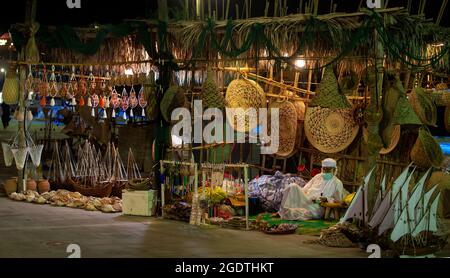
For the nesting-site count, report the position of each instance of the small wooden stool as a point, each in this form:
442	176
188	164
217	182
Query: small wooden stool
335	208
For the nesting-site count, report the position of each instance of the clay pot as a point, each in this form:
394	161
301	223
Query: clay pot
10	186
31	185
43	186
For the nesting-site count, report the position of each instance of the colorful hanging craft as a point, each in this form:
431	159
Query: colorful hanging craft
43	88
95	102
124	103
132	101
114	101
53	89
142	101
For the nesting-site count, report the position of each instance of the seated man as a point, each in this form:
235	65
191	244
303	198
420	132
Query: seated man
304	203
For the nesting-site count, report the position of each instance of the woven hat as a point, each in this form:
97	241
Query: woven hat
211	96
423	106
287	120
11	87
330	130
172	99
328	95
426	152
245	94
404	113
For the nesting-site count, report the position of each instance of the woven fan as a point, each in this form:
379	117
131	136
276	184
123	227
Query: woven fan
244	94
287	126
423	106
328	95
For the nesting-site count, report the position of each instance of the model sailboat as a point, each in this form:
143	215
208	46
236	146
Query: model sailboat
408	217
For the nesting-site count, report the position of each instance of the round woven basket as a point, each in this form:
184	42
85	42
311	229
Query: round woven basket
423	106
172	99
441	86
244	94
330	130
287	127
426	152
395	138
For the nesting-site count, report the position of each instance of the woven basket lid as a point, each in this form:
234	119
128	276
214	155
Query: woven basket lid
423	106
244	94
328	95
330	130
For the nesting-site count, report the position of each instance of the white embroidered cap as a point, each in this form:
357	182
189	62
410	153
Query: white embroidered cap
329	163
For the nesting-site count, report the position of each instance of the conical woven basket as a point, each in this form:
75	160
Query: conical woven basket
423	106
11	87
172	99
426	152
404	113
287	127
244	94
211	96
330	130
328	95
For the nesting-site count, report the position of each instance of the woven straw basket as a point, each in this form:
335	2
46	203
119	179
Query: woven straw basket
395	138
330	130
245	94
287	127
441	86
426	152
11	87
423	106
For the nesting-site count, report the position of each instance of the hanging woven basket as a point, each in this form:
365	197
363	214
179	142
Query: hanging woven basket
330	130
211	96
328	95
173	98
423	106
244	94
287	127
426	152
11	87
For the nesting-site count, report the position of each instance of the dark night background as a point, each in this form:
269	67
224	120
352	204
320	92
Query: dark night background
55	12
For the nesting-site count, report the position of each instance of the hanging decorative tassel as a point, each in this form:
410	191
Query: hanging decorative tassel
81	101
52	102
93	112
105	116
42	102
124	115
74	102
30	96
143	112
131	113
89	102
113	114
29	116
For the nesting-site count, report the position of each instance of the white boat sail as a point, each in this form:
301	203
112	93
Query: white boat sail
358	207
429	220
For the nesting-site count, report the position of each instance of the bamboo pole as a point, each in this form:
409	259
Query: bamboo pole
186	9
300	7
316	7
209	9
266	10
441	12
